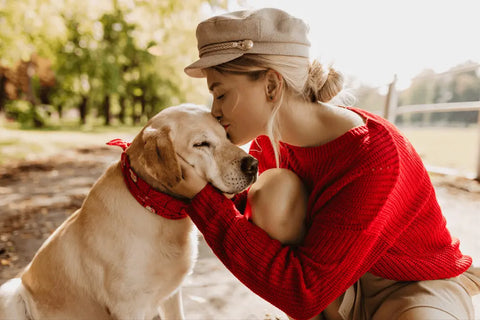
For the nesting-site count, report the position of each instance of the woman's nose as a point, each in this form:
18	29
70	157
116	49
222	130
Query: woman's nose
216	112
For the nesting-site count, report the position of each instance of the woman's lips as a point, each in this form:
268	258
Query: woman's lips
225	126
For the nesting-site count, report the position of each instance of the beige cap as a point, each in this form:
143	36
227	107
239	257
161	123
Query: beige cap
226	37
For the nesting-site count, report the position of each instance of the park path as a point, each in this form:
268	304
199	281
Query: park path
37	195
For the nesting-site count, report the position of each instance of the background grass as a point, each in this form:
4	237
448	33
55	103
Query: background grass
18	144
453	148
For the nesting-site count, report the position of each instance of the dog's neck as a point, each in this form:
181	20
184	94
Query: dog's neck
151	199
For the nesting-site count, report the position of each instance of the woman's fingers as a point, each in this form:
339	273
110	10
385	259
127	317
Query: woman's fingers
191	182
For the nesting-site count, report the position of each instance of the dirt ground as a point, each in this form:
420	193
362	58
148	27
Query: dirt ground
37	195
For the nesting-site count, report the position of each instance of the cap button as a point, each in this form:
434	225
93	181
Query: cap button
245	44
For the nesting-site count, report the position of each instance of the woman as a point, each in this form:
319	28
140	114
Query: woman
370	242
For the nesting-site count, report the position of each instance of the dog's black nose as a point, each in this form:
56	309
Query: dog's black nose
249	165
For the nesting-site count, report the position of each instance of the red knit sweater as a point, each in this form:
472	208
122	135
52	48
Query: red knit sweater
372	208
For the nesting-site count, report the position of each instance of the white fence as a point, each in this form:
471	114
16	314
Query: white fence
392	110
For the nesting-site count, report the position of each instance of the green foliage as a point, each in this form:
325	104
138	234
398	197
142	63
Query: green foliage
27	114
112	59
26	25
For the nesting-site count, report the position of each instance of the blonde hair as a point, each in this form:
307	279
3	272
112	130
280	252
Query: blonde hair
308	81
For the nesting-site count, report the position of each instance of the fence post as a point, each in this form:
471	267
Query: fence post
477	174
391	102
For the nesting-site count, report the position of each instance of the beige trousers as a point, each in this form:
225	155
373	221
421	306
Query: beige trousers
376	298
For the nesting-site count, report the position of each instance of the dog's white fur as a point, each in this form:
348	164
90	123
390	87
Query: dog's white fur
113	259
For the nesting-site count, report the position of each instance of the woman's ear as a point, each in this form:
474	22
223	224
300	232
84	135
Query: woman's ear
273	85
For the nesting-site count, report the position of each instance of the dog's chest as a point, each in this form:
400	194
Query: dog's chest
152	270
162	262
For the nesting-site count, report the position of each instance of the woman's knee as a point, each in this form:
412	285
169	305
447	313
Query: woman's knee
279	202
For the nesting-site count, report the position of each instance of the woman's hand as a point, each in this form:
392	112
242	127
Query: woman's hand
191	182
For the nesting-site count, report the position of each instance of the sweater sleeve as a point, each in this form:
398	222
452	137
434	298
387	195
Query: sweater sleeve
240	200
344	239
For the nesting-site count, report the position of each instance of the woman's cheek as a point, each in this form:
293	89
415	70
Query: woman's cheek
232	101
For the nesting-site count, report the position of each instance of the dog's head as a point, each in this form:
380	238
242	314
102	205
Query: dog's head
190	132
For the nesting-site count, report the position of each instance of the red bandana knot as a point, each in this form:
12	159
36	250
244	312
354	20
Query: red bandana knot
119	143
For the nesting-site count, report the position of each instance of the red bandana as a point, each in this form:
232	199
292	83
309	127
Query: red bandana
154	201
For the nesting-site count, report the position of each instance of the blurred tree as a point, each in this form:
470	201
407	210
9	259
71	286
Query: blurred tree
28	26
370	99
421	90
120	57
465	86
460	83
76	67
23	39
3	93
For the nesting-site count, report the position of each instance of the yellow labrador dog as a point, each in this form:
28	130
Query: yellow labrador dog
114	258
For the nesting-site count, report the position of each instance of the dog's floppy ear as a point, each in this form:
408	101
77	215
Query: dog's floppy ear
160	156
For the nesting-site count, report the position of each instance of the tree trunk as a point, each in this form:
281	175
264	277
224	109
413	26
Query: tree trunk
135	116
38	122
45	94
82	109
143	103
30	91
121	115
106	109
60	111
3	94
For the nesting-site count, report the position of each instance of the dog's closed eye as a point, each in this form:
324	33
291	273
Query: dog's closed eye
203	144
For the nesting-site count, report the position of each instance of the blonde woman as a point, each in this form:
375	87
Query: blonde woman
343	222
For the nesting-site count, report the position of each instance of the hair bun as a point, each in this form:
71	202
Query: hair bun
321	85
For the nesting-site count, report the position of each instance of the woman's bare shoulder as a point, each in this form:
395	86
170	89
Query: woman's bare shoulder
339	120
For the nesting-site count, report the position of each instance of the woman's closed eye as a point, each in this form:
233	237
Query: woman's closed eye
220	97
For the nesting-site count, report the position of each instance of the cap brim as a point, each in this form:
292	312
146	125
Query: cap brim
195	69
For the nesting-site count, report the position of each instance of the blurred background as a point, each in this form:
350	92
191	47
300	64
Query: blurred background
94	65
74	74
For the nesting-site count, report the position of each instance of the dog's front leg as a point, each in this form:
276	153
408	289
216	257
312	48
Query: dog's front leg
172	308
